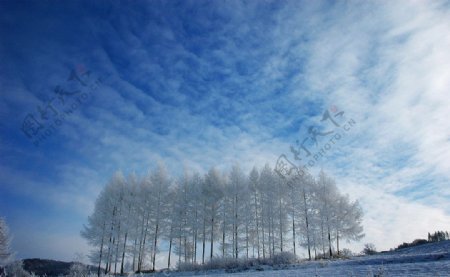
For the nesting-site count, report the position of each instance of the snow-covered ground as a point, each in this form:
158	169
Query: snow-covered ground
432	259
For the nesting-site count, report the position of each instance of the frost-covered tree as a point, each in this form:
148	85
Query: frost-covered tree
160	182
308	213
16	269
172	220
196	209
348	220
212	193
255	194
238	192
5	245
78	270
95	231
327	195
182	217
107	228
259	214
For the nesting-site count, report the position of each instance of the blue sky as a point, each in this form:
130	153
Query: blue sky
197	84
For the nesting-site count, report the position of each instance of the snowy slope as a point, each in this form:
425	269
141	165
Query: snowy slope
425	260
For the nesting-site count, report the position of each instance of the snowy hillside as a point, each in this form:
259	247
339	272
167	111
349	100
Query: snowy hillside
432	259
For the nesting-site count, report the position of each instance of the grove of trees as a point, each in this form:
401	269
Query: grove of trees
197	217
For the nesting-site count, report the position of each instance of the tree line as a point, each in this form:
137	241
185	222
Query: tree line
198	217
438	236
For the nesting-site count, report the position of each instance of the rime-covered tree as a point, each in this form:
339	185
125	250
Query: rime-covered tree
260	214
160	182
255	207
212	193
348	221
97	227
5	244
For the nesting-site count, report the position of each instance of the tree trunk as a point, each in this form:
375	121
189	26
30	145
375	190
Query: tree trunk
236	227
204	240
246	238
273	235
117	249
212	235
337	242
154	245
223	233
293	233
108	260
195	235
170	244
329	243
307	224
281	227
101	250
141	255
123	253
257	223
